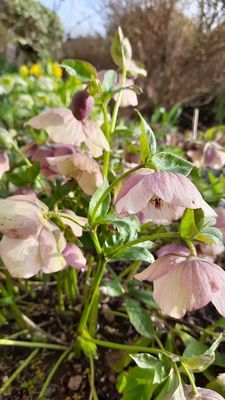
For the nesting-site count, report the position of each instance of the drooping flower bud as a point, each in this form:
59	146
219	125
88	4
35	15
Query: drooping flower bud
81	105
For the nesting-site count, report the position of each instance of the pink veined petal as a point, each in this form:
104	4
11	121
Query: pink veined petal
176	189
52	243
162	266
62	164
213	156
95	135
52	117
134	194
208	211
74	257
204	394
70	132
21	256
4	163
87	173
30	198
89	183
188	287
128	97
218	298
76	229
164	215
173	248
19	219
61	126
220	221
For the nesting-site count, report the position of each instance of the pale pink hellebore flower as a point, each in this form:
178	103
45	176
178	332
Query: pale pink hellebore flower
213	156
173	248
40	153
64	127
30	243
128	96
185	284
203	394
207	251
85	170
159	196
4	162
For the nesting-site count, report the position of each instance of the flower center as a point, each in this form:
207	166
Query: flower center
157	202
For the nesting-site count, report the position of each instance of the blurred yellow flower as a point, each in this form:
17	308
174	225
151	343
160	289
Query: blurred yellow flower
23	70
36	70
57	70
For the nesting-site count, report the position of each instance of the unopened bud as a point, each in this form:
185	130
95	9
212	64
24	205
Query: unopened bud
6	140
82	104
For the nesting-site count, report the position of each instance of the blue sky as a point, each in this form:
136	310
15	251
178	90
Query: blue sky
79	17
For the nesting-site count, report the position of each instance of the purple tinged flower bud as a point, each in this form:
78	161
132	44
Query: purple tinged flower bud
82	104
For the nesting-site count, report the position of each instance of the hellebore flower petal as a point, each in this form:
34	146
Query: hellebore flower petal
52	242
213	156
21	256
20	216
173	248
76	229
159	196
182	285
203	394
79	166
74	257
60	125
134	195
95	138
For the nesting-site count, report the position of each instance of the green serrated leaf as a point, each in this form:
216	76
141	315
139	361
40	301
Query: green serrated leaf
109	81
104	207
121	50
147	140
112	288
172	163
80	69
139	318
145	360
201	362
188	229
135	253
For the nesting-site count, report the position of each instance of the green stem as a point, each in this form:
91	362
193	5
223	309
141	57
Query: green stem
93	393
117	104
17	372
20	153
60	295
96	242
95	286
191	380
110	187
154	236
18	316
37	345
192	248
176	369
106	157
128	347
57	214
52	373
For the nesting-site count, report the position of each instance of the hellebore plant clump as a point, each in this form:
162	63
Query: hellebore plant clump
73	211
